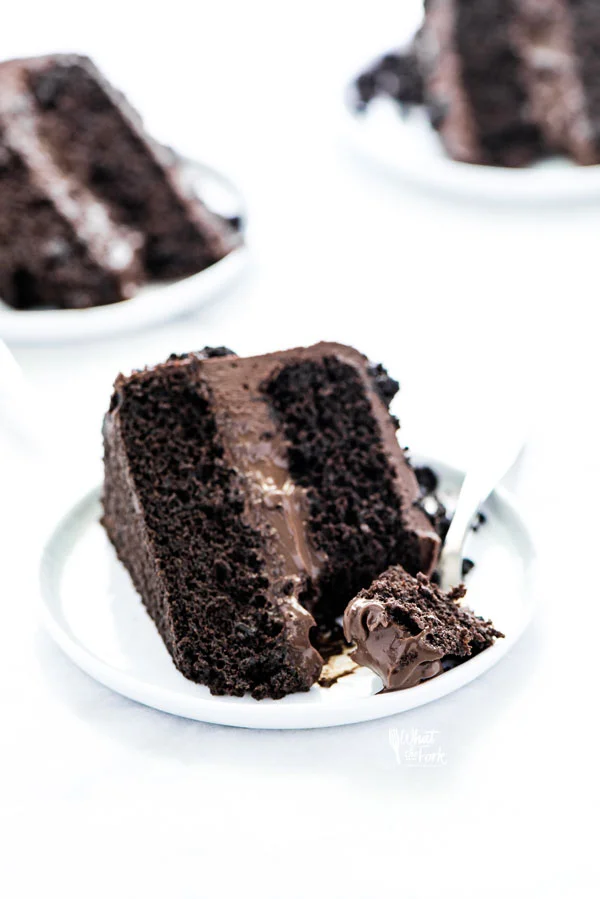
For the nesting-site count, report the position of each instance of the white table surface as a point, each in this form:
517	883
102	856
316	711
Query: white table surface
102	797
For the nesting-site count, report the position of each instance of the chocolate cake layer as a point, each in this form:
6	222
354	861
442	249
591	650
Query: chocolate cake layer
93	132
235	550
361	490
407	631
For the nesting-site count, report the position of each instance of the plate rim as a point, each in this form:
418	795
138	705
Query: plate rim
501	184
268	714
61	326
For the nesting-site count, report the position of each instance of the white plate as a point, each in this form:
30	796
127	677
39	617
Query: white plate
93	612
154	303
407	147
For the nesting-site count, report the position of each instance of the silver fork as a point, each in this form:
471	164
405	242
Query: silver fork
481	478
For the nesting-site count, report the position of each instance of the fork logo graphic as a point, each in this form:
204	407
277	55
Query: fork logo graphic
416	748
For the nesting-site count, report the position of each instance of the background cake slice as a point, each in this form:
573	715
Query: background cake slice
92	131
58	245
407	631
506	82
250	499
91	206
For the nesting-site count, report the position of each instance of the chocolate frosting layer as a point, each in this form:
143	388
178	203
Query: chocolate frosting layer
275	505
401	659
444	88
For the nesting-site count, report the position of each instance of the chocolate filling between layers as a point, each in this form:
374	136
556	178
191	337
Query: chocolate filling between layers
274	505
192	554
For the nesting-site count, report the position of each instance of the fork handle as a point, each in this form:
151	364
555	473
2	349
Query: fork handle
477	486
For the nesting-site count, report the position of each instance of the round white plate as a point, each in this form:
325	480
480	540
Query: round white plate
93	612
407	147
154	303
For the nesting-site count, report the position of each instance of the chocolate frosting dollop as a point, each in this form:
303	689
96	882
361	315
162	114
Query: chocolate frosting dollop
401	659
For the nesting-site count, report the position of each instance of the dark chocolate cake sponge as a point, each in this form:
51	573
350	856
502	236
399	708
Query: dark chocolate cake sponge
407	631
250	499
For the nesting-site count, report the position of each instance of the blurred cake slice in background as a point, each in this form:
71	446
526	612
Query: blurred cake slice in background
91	206
505	82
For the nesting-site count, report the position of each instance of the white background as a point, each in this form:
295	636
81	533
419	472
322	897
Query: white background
101	797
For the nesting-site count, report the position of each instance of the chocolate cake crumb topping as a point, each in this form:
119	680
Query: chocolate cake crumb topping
407	631
396	75
386	387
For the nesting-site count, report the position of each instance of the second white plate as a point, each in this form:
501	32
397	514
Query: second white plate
407	147
154	303
93	612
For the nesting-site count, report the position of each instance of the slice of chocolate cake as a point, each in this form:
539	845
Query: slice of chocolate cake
250	499
506	82
407	631
137	178
90	205
58	245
